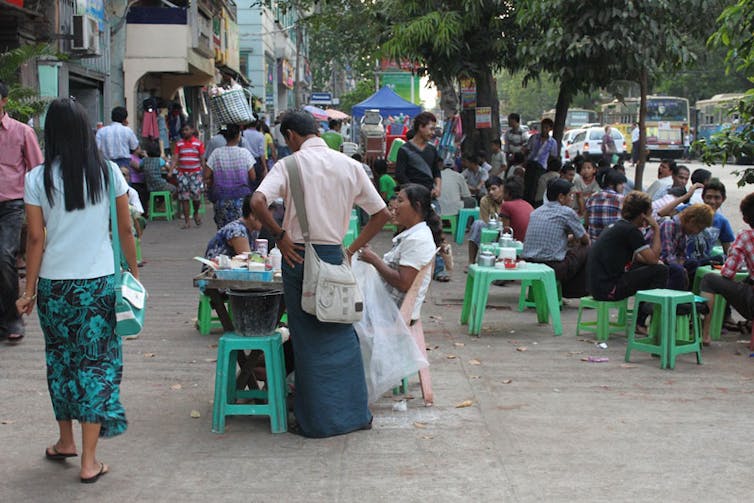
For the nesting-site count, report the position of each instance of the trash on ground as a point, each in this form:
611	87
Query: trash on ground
400	406
465	403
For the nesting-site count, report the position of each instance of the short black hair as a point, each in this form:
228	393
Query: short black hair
513	188
246	208
547	122
423	119
3	90
332	123
231	132
517	158
152	148
119	114
568	167
493	180
747	208
497	142
380	166
714	184
610	178
554	164
357	157
701	175
300	122
676	168
677	191
556	187
514	117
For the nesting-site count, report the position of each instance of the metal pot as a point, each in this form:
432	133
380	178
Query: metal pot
486	259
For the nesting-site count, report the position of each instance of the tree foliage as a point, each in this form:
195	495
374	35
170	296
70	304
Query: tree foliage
23	102
736	34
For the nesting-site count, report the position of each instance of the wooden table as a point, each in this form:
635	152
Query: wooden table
215	289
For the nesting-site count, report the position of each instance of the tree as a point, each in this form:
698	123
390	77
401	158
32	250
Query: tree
364	89
736	33
588	44
23	102
452	40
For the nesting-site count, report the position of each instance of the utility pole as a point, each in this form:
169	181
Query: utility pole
296	81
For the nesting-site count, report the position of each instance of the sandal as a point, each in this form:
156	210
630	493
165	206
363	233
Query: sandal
443	278
52	453
14	338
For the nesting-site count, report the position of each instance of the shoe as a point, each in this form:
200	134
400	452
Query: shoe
92	480
53	454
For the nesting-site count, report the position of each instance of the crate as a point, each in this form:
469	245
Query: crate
243	275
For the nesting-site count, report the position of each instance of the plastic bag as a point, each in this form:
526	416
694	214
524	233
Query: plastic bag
387	348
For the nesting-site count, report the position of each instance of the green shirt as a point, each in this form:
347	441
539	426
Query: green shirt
333	139
387	186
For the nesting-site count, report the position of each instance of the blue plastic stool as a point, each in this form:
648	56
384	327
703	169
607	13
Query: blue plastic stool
226	393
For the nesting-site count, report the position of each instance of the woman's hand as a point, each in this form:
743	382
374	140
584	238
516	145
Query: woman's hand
367	255
25	305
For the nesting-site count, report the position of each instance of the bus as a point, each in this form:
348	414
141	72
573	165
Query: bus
575	118
715	114
667	118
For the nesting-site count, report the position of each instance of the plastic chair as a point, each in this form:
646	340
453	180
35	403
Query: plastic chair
226	392
166	196
662	337
417	332
463	217
602	327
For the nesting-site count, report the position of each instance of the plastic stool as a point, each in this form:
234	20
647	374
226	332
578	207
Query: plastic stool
353	225
166	199
452	221
463	216
226	393
206	321
489	236
137	241
349	238
602	327
662	337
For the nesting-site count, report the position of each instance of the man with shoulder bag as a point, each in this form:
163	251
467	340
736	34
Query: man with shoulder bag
331	393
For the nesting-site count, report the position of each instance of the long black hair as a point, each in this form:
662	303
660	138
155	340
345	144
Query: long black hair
420	199
70	141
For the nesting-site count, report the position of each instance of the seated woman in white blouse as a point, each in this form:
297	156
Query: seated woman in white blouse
412	249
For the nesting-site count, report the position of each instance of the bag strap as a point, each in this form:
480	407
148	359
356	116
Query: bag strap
297	191
115	236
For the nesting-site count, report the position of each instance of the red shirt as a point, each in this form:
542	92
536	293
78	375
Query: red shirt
518	211
189	153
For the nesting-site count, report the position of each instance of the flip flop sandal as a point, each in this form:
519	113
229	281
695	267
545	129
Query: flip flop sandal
14	338
53	454
443	278
92	480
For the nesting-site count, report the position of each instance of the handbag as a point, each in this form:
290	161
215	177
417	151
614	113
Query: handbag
231	107
329	291
130	294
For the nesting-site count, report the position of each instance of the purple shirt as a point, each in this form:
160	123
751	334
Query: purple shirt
19	153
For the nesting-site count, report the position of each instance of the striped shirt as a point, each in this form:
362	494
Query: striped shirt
189	154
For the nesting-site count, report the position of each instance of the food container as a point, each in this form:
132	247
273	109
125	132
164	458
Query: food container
260	246
508	257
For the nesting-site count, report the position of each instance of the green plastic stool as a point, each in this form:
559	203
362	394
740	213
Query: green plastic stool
463	216
137	241
167	213
226	393
390	227
349	238
663	331
602	327
353	225
489	236
206	321
452	221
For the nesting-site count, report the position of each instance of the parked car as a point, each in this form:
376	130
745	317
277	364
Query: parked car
588	142
568	137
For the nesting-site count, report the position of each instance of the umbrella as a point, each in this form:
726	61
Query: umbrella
336	114
318	113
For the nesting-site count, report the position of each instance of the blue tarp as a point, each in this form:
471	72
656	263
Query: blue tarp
388	103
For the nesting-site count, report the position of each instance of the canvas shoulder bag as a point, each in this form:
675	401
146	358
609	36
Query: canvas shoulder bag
130	294
329	291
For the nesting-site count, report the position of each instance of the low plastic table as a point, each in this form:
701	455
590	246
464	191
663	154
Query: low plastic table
478	285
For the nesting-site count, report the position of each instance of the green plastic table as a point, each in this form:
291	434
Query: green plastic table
478	285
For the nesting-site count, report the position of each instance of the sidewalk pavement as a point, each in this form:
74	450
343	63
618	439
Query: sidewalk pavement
543	424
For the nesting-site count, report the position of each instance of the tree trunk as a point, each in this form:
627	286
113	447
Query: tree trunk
639	175
478	140
561	110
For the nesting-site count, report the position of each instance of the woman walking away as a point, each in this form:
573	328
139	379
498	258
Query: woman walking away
228	176
71	273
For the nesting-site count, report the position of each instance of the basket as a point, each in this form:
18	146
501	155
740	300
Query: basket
243	275
231	107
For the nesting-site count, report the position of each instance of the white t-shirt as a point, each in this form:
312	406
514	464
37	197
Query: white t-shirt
414	247
332	182
78	243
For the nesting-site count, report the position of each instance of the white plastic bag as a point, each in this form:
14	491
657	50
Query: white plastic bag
387	348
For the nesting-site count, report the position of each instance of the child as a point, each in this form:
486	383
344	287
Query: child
188	158
151	167
517	161
489	205
584	186
497	158
568	172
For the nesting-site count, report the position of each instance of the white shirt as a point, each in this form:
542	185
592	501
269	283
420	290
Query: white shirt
414	247
660	187
332	182
454	189
77	245
635	135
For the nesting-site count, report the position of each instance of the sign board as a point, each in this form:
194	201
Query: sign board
93	8
405	85
321	98
483	117
269	100
468	94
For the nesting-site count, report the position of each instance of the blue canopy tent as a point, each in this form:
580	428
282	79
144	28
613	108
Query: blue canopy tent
387	102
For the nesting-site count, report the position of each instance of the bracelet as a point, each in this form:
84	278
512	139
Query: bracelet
28	297
280	235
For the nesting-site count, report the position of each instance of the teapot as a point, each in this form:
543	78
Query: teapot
506	238
486	259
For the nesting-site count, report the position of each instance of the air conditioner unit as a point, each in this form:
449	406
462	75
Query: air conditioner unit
85	34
